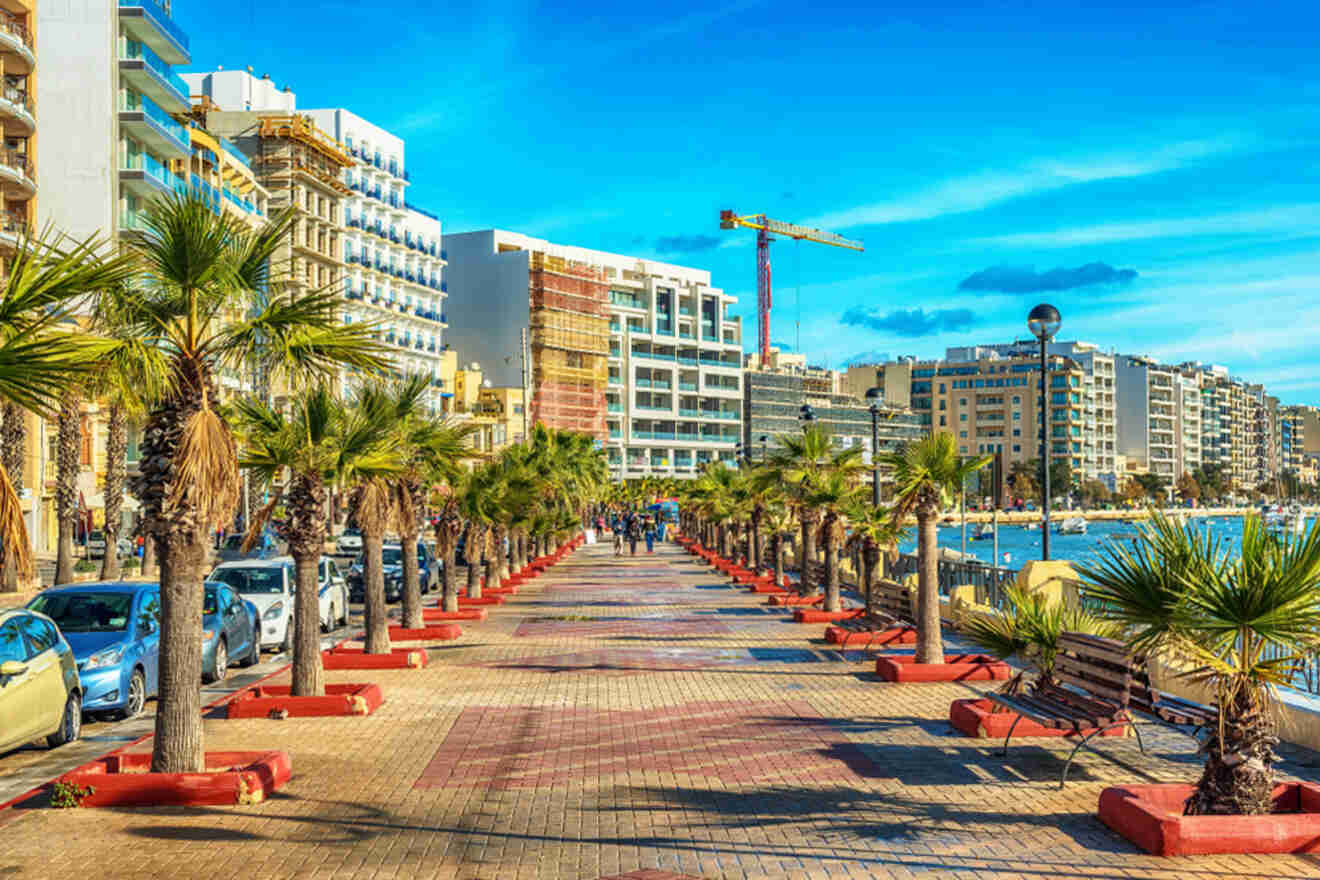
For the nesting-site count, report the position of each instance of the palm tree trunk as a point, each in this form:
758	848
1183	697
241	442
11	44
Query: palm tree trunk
758	547
373	583
177	746
116	446
492	572
412	583
305	500
500	555
148	559
778	541
930	645
476	540
871	564
68	460
449	577
1239	770
807	558
13	447
833	599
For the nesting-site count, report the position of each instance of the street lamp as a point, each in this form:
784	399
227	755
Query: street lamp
875	395
763	438
1043	322
807	415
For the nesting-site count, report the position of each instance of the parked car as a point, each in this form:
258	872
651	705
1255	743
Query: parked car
113	628
231	627
267	547
267	584
332	588
392	562
349	542
40	692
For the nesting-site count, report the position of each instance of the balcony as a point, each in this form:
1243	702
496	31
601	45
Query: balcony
16	44
17	179
20	110
149	22
12	224
151	125
147	177
144	70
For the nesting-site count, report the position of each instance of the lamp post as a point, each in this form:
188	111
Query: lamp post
1044	321
807	415
875	395
763	438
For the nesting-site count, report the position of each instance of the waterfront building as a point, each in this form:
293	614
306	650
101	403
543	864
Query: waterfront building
641	354
772	407
1159	418
1241	432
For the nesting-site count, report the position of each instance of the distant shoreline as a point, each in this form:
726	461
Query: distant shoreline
1030	516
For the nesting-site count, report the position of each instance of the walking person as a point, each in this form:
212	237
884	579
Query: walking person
616	526
634	533
650	535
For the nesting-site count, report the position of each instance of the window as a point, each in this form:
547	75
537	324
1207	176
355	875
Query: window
1017	432
962	417
962	401
87	612
943	422
1017	416
962	435
942	405
1017	448
41	636
941	389
11	643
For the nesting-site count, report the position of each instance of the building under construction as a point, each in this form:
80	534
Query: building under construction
569	338
642	355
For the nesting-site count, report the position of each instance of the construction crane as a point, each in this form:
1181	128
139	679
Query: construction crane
766	231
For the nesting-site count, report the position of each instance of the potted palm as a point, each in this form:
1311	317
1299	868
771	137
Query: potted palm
1239	628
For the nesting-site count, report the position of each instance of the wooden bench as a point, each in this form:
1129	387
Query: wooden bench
1174	711
1090	694
891	604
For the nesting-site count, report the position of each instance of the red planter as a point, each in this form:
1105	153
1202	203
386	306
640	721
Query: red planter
476	603
956	667
768	589
357	658
440	632
977	718
511	590
1150	816
231	778
879	638
812	615
461	614
787	598
339	699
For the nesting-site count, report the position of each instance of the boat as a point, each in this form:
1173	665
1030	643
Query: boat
1073	525
983	532
1031	527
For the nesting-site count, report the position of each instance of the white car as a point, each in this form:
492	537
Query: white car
349	543
332	589
267	584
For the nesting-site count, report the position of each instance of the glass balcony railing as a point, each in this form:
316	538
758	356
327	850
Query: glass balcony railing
232	150
135	103
160	17
137	52
156	170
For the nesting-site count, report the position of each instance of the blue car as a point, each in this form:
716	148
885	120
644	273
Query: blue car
114	631
231	627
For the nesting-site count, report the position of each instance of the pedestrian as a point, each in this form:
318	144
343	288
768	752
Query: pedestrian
650	535
634	533
616	526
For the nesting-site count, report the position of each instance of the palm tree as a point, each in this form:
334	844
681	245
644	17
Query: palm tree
200	270
834	491
41	354
927	474
874	529
316	442
1241	625
479	504
1028	625
795	466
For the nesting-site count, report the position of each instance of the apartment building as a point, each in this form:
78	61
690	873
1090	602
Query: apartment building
641	354
772	407
989	400
1159	418
1241	426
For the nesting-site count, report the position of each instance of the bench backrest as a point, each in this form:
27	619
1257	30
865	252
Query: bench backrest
1098	666
893	598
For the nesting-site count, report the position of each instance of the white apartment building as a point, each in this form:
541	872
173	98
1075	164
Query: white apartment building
642	354
394	250
390	251
1159	418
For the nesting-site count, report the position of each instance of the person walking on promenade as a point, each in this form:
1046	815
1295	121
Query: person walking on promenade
650	535
616	526
634	534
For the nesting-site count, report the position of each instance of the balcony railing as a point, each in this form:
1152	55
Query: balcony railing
138	52
159	118
160	17
16	161
156	170
13	25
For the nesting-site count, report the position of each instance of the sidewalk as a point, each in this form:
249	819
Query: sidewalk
627	714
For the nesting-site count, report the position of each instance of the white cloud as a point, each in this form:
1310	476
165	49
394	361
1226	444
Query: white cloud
1280	218
961	195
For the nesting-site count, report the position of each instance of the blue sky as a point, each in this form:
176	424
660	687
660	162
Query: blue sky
1149	169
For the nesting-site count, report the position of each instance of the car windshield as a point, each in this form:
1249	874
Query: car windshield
86	612
251	580
95	535
352	533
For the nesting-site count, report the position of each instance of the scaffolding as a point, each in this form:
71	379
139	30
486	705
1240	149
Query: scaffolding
570	340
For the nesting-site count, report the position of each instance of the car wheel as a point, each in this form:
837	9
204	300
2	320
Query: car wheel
70	724
220	670
137	695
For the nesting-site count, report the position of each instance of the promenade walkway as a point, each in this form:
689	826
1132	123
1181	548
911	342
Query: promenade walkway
619	716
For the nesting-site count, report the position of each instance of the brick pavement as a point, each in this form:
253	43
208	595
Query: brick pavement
736	752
